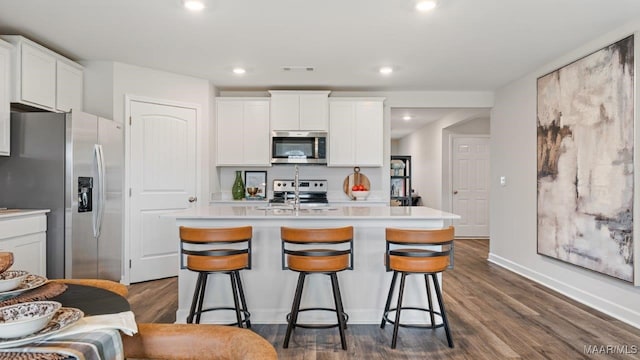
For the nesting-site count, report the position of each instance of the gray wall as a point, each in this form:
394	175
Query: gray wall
513	207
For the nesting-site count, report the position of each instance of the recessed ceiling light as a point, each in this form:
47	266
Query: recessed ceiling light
406	118
386	70
194	5
426	5
239	71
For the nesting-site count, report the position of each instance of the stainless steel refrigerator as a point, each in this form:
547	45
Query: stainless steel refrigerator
70	163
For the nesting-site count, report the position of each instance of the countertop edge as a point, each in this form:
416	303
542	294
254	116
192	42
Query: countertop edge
22	212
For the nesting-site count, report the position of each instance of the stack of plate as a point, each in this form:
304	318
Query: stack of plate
14	282
28	321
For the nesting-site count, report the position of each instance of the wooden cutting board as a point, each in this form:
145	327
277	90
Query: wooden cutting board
356	178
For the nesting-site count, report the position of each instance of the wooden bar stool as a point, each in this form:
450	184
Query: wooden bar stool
407	261
217	259
328	260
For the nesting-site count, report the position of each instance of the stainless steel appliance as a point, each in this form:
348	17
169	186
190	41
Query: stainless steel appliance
71	164
298	147
311	191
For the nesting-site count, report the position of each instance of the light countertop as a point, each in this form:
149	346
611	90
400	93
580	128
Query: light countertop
9	213
317	212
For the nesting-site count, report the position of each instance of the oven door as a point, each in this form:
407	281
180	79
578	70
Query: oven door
298	148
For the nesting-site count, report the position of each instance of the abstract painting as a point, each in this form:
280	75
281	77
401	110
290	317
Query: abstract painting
585	132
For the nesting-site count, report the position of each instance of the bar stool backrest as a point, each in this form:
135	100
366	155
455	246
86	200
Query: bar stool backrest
216	237
307	237
419	238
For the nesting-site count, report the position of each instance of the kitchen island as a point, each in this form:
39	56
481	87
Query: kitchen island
269	289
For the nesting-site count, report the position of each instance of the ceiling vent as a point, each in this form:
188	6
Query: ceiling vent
298	68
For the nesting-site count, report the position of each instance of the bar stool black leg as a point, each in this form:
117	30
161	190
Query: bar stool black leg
442	310
242	298
293	316
340	300
339	310
397	323
388	304
432	317
194	300
203	288
236	302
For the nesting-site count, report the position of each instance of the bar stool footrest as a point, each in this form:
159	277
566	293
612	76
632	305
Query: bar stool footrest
318	326
245	319
414	326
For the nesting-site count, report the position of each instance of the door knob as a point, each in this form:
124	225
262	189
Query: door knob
455	192
192	199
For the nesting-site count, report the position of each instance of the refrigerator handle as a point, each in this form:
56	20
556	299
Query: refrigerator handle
99	161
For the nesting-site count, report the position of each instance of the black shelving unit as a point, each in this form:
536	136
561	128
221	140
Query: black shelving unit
401	180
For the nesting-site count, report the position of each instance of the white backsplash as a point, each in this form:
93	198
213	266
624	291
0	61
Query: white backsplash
334	176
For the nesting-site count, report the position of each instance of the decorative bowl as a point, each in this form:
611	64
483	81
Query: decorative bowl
11	279
360	194
6	260
26	318
252	190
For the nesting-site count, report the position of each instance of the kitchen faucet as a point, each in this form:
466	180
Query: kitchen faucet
296	189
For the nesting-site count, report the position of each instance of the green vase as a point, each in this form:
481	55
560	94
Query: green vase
237	191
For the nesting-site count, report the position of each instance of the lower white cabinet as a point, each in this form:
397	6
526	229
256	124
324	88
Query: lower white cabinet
25	236
243	132
356	128
5	115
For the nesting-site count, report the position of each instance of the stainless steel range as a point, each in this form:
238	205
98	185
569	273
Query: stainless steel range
311	191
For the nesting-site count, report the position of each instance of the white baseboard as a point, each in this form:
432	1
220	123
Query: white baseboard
612	309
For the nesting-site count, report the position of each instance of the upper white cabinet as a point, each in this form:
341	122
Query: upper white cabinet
5	116
68	87
299	110
43	79
243	131
356	131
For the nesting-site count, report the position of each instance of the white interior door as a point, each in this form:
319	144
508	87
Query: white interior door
470	180
163	179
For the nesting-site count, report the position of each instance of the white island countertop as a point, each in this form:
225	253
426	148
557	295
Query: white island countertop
314	212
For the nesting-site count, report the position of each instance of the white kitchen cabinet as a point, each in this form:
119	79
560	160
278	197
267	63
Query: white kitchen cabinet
42	78
24	234
299	110
5	115
356	132
68	87
243	132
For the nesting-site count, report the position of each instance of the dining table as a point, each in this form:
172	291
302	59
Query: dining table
97	336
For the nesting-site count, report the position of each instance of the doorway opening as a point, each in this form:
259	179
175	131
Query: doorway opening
427	135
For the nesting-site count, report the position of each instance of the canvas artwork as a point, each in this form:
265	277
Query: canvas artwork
585	135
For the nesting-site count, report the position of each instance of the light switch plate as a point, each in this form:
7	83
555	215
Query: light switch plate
503	181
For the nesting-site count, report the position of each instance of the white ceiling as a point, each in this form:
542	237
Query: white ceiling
423	116
462	45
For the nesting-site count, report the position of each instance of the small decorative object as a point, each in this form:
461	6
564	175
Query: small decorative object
397	166
256	182
237	191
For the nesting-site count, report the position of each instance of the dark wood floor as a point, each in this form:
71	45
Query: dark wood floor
494	314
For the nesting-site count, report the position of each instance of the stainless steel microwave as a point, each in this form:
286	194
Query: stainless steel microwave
298	147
